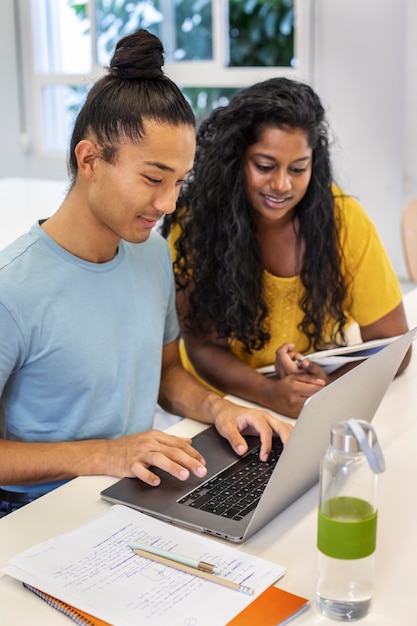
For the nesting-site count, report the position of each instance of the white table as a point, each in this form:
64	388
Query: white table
290	539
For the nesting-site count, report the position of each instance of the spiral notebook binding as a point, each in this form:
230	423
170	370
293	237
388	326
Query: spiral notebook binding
79	617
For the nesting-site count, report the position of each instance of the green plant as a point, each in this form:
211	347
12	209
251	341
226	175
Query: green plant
261	33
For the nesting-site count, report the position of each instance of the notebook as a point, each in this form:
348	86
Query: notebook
275	605
356	394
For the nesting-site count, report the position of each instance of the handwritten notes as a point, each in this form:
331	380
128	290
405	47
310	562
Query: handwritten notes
94	569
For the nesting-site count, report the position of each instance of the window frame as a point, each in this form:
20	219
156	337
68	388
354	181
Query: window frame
184	73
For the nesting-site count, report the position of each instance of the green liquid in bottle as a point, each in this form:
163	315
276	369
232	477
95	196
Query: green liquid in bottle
347	528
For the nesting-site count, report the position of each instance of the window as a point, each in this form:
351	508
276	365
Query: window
213	48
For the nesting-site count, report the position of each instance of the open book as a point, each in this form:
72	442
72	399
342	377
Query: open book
330	360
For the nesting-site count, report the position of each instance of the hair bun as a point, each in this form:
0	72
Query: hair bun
138	56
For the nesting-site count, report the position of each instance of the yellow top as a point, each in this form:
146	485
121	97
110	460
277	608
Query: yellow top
374	289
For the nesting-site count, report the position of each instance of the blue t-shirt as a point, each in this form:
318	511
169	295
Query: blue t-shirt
81	343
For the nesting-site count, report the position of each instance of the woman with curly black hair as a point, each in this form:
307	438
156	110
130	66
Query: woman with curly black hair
272	259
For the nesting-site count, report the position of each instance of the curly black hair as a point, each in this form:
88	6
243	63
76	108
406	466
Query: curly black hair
218	246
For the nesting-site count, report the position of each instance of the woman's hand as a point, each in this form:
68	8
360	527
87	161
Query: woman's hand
286	360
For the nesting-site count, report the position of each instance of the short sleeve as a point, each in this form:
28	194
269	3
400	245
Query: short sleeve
374	289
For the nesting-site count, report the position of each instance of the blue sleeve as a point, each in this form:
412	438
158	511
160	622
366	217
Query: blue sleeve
11	346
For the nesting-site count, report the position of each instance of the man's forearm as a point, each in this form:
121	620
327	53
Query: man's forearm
182	394
31	463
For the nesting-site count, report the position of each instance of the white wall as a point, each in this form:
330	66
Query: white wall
364	69
10	153
360	73
410	116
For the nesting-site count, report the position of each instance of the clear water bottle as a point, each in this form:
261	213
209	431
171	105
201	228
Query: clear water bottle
347	520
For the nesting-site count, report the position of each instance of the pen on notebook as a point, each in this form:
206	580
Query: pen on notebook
178	558
191	570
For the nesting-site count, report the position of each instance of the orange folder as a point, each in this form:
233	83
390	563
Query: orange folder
274	606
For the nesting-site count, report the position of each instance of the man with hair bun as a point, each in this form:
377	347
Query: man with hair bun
89	331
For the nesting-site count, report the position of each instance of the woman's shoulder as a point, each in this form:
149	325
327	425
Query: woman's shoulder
349	212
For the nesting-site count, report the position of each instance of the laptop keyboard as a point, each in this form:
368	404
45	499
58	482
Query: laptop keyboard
235	492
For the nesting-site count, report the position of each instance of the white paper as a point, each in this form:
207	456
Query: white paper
333	358
93	569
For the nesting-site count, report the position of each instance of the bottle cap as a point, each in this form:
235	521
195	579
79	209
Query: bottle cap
358	436
342	438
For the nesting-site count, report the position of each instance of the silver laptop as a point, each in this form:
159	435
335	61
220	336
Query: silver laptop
190	504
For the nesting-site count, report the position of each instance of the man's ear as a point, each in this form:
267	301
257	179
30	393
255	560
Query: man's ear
86	155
